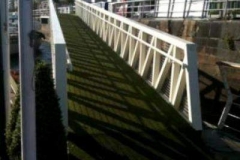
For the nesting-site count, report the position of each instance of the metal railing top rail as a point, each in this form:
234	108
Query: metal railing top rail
60	61
57	34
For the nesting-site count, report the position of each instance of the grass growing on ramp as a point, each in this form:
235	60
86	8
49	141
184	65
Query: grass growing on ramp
113	113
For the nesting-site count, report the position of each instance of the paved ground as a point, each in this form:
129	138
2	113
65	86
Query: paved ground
113	113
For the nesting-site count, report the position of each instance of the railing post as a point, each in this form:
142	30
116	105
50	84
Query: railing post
169	6
59	63
184	10
193	87
60	78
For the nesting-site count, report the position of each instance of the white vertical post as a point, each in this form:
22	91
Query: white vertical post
59	63
60	78
28	122
192	87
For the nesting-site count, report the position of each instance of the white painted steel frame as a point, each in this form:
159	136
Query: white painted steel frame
166	58
60	61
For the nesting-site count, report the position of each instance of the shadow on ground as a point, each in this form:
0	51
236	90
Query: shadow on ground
113	113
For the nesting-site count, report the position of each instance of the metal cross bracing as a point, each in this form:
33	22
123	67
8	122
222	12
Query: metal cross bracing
167	63
230	117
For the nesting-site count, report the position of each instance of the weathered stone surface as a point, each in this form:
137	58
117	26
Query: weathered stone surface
231	28
176	27
215	30
203	29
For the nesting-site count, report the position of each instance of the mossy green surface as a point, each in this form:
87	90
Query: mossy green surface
113	113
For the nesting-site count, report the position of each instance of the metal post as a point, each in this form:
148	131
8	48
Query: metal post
184	10
225	8
172	8
2	79
169	6
204	9
27	84
189	8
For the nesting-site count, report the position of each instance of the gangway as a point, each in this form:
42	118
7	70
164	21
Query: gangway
166	62
113	113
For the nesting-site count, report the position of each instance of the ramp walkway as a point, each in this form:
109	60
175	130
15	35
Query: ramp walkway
113	113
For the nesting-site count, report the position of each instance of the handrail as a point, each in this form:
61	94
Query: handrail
166	62
57	34
60	61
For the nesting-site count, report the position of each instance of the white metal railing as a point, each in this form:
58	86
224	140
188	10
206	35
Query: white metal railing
177	8
161	8
60	61
166	62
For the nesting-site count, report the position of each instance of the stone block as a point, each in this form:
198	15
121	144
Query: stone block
211	50
215	30
222	44
176	27
201	41
154	24
231	28
212	42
